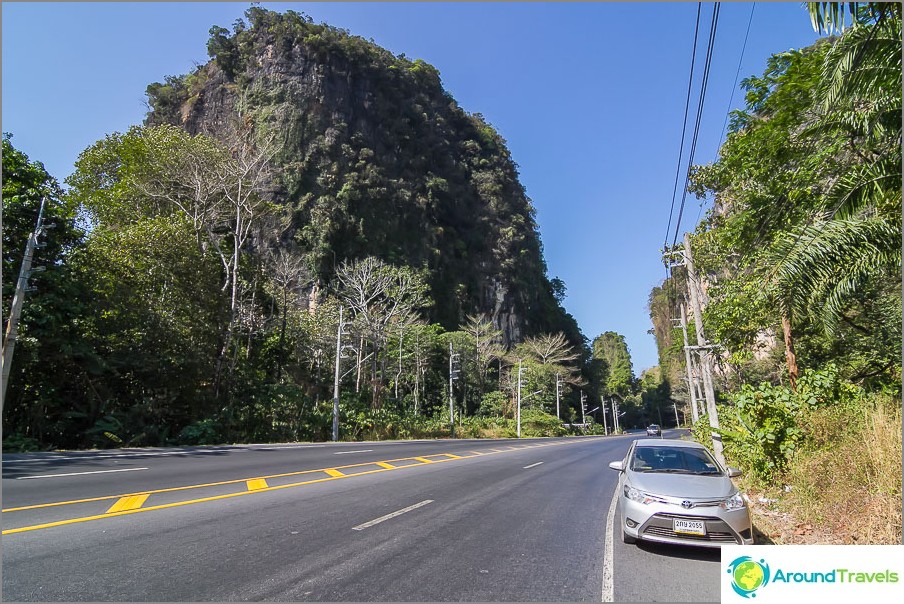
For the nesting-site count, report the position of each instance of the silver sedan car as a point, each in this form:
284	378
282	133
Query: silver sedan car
674	491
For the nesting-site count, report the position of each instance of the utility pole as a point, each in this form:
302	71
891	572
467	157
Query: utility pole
519	399
691	374
583	417
696	294
336	379
603	405
557	398
453	375
12	326
615	426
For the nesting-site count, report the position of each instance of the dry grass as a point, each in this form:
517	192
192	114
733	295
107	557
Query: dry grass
848	490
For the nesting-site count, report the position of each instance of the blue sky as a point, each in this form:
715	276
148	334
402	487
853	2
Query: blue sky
589	96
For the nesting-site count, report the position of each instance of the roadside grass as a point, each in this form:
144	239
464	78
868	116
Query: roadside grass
845	486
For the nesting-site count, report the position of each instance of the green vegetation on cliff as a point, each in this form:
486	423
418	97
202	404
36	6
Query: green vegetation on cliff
301	176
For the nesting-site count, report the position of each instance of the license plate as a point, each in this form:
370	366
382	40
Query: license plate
689	527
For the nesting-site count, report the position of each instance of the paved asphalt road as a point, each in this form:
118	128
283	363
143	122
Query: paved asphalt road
469	520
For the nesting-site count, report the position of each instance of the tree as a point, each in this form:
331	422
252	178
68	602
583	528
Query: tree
288	273
854	235
544	358
379	295
804	237
487	347
613	350
163	171
47	368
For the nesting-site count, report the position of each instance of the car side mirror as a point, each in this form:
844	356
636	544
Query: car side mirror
733	472
617	465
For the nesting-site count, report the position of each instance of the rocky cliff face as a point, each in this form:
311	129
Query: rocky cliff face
375	158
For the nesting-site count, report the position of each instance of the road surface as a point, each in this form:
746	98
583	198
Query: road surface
439	520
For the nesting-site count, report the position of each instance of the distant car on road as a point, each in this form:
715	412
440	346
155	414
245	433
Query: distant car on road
674	491
654	430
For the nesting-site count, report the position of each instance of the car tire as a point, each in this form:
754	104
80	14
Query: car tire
627	538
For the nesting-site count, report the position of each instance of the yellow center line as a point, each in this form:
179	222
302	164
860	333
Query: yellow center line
256	484
190	502
131	503
128	503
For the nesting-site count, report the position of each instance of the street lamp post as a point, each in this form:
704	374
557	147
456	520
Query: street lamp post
605	424
336	380
453	375
518	412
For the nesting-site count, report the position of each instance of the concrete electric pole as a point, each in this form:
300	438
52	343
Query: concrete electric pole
12	326
703	349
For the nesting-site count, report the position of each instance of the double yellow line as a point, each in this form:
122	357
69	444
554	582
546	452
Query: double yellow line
132	503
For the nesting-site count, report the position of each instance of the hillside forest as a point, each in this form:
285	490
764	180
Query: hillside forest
304	214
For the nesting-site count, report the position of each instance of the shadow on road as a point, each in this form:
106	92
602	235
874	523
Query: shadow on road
28	464
688	552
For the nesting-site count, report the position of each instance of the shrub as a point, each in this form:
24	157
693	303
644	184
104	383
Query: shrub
538	423
19	443
762	428
760	431
202	432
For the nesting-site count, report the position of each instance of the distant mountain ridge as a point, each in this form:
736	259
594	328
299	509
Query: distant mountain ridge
375	158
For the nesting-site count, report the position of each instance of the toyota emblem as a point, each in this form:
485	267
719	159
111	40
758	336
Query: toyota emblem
687	504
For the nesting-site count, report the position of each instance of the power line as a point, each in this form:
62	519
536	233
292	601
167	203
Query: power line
731	98
687	104
703	83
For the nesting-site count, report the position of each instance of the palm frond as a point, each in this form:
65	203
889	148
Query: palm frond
821	266
866	187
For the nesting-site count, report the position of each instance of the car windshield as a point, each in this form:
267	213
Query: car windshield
678	460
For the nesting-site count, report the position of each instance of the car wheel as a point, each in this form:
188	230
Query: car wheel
627	538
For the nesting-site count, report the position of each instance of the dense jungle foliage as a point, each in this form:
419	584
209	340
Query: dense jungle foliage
801	254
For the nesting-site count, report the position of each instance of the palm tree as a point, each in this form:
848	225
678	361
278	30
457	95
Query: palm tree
854	236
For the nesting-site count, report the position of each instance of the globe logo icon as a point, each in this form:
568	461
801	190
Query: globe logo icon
748	575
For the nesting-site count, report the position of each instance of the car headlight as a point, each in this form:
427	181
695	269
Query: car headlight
734	502
636	495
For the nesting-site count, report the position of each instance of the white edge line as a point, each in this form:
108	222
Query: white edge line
392	515
78	473
347	452
608	562
533	465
